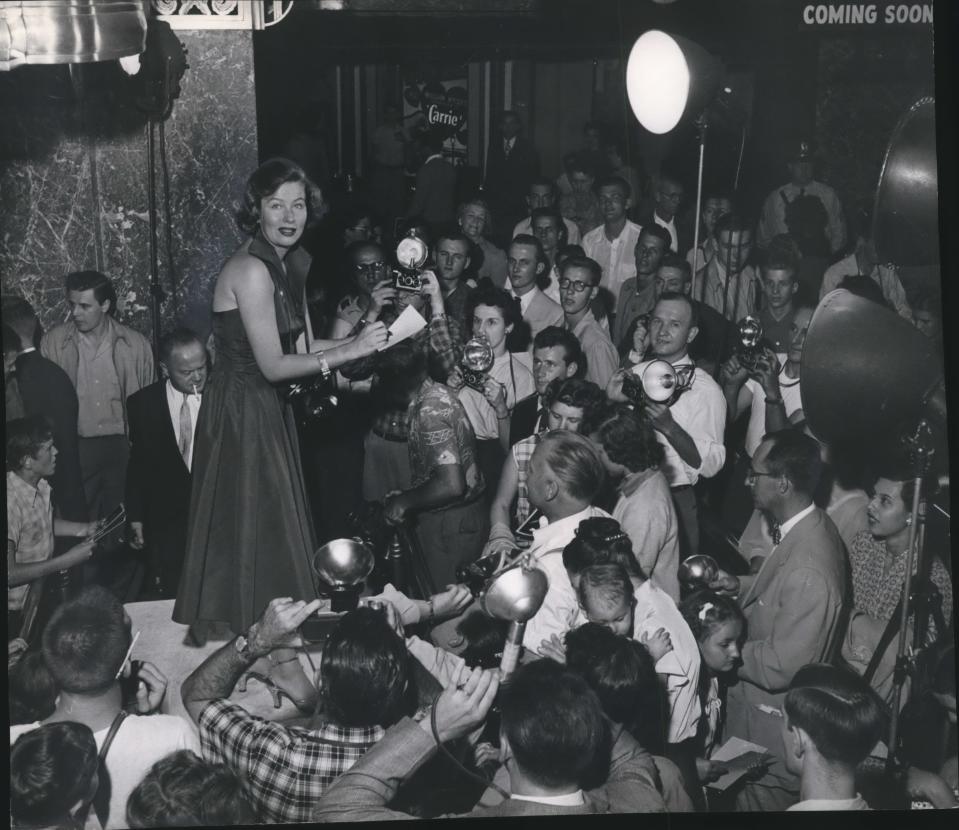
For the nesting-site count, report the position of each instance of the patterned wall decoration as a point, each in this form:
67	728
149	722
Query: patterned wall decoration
74	180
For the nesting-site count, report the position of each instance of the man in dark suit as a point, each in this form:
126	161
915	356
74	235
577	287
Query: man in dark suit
45	389
793	604
556	354
547	766
163	420
668	198
511	165
435	186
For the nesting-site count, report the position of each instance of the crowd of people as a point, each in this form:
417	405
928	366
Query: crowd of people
339	393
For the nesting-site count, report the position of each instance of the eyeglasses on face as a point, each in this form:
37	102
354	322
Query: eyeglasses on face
577	285
369	267
752	475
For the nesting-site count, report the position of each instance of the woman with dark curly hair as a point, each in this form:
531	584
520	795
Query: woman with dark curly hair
250	535
632	457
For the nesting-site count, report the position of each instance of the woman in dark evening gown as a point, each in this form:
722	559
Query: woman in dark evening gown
250	536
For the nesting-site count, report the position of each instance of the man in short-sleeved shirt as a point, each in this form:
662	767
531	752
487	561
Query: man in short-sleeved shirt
451	520
440	433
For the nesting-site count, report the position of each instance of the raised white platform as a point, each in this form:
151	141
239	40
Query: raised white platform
162	643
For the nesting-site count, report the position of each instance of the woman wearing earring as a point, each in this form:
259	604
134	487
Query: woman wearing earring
250	534
878	557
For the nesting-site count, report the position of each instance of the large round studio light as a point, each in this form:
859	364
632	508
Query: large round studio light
667	77
906	212
657	81
867	374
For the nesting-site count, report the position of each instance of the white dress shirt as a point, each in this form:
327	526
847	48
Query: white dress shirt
617	257
670	228
680	667
789	524
701	411
885	276
552	290
792	400
560	606
174	399
524	300
526	226
575	799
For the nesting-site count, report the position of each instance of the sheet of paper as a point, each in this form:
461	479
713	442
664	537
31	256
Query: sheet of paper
739	756
406	325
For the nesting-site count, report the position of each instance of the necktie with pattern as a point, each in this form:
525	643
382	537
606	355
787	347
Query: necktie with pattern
777	534
186	429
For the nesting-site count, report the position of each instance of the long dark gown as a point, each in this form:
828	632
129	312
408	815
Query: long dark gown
250	534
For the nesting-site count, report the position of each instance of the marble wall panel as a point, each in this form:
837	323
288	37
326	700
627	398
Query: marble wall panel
73	180
46	202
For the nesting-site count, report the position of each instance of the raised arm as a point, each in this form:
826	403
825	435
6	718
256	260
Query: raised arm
251	287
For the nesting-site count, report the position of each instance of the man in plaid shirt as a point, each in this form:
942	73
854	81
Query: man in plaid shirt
365	676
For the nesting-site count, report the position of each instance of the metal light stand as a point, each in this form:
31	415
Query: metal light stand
921	452
703	125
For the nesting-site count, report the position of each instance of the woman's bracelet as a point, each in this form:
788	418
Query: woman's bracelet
324	366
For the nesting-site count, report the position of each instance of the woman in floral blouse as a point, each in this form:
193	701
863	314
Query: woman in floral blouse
878	559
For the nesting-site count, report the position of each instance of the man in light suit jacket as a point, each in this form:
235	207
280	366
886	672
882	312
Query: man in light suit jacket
526	269
547	765
163	419
793	605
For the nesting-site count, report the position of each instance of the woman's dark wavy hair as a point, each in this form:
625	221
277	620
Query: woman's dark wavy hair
600	540
583	394
490	295
265	181
629	439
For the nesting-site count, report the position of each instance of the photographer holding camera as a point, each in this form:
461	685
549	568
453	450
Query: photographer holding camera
691	428
771	390
386	465
364	682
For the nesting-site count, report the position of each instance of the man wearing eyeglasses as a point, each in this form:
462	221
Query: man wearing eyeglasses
578	286
386	463
793	605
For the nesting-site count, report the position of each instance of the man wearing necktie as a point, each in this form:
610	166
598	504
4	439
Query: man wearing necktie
793	604
511	165
163	418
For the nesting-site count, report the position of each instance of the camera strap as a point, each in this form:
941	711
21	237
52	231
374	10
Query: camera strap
101	798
